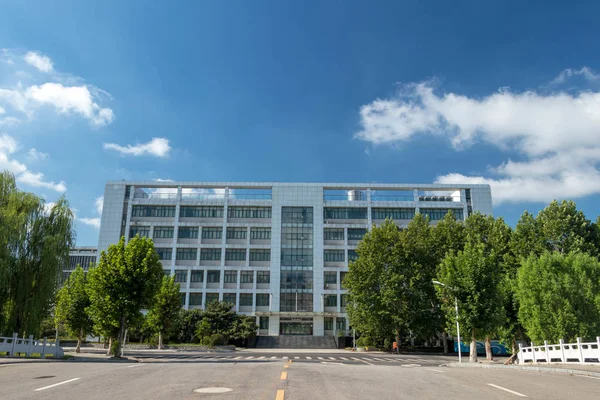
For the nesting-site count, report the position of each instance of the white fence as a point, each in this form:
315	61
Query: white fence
13	345
579	352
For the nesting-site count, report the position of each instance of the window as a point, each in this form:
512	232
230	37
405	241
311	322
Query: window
143	231
186	254
248	212
260	233
260	255
201	212
333	256
195	299
330	300
210	297
245	299
197	276
210	254
340	324
296	257
352	255
344	213
342	277
164	253
356	233
213	277
153	211
182	299
328	323
343	300
297	236
392	213
334	234
297	215
167	272
296	280
436	214
330	277
236	233
235	254
263	277
230	277
262	300
163	232
247	277
212	232
186	232
229	298
263	322
181	276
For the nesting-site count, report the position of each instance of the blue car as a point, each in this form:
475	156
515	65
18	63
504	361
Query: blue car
498	349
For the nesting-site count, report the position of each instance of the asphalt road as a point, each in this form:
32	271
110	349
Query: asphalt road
281	379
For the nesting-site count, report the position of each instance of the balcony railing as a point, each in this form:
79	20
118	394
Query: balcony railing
250	196
392	197
165	196
203	196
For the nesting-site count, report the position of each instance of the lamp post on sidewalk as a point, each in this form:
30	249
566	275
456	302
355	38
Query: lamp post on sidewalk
457	324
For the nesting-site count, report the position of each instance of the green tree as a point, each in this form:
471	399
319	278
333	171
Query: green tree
367	282
71	304
124	282
473	278
187	322
243	327
559	296
219	315
163	314
34	247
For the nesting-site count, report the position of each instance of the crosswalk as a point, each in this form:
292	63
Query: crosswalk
235	358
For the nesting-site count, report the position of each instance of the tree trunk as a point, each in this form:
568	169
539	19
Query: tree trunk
109	346
117	350
514	346
445	339
160	343
398	338
473	351
78	348
488	348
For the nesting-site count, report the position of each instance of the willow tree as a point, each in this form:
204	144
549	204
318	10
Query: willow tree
34	247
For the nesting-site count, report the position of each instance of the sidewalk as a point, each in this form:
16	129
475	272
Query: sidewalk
75	357
567	369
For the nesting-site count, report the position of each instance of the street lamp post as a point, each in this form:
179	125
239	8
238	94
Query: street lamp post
457	324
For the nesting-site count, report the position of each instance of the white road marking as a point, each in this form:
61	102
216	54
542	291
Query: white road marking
56	384
320	358
272	358
411	365
587	376
507	390
261	358
331	363
361	360
309	358
248	358
284	358
237	358
377	359
332	358
368	359
135	365
344	358
434	370
296	358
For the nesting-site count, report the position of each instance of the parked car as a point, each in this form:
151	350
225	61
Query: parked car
498	349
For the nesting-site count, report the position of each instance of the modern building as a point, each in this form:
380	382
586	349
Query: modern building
83	256
278	251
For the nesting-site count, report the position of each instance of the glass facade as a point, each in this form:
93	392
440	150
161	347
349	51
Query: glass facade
246	299
143	231
344	213
153	211
195	299
230	298
296	259
333	234
247	277
180	276
210	254
262	300
213	276
436	214
235	254
260	254
164	253
186	254
248	212
392	213
163	232
200	212
236	233
187	232
356	233
230	277
260	233
263	277
333	255
209	232
197	277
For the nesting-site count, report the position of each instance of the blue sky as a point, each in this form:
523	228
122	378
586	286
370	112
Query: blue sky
506	93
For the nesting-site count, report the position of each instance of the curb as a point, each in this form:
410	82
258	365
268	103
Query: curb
70	360
564	371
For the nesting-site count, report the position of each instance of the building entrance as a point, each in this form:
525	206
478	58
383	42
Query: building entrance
296	326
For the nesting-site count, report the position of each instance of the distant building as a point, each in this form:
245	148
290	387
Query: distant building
83	256
278	251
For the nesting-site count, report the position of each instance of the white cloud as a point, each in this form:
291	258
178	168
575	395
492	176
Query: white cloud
158	147
39	61
2	111
67	99
556	134
34	154
586	72
8	121
163	180
95	222
9	146
99	204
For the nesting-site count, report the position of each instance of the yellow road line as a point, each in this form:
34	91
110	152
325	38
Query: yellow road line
286	366
284	375
280	394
